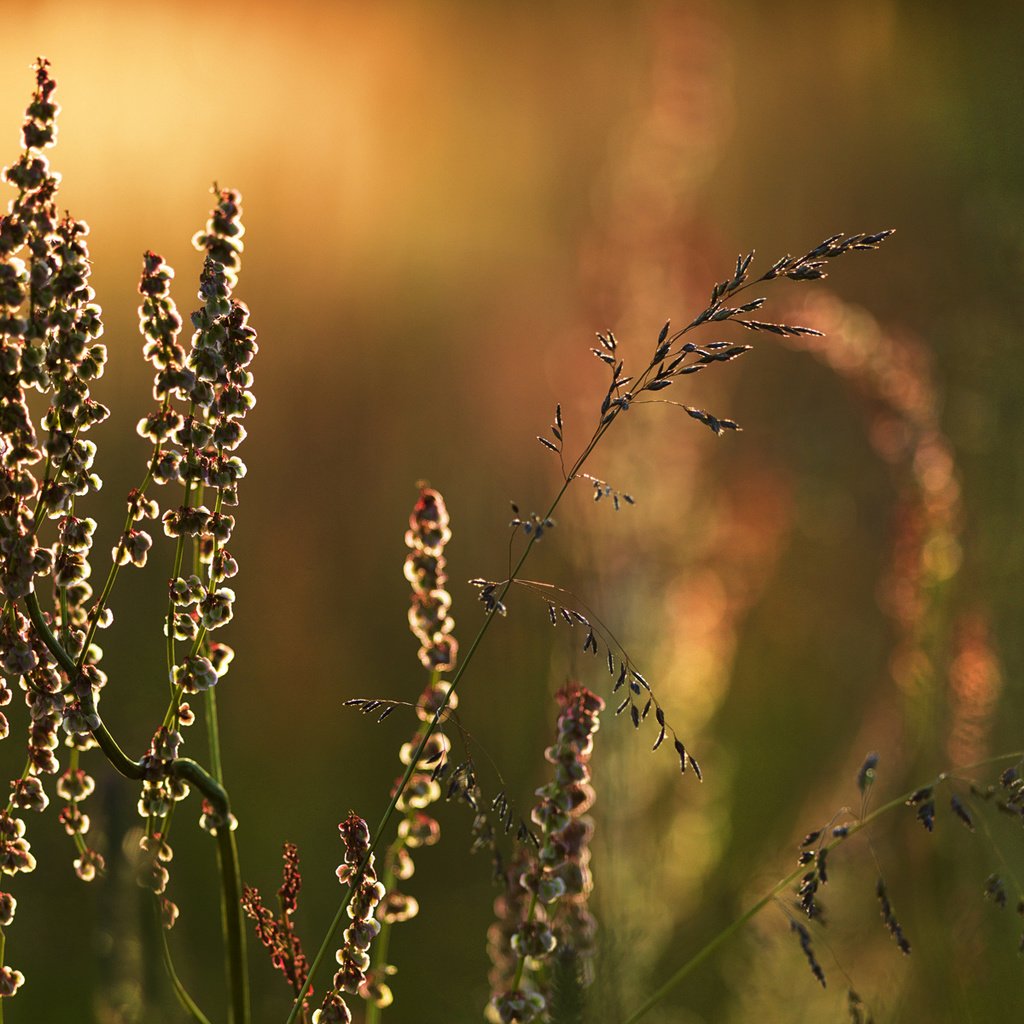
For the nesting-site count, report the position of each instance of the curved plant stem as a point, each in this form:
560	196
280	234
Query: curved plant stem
188	1004
726	933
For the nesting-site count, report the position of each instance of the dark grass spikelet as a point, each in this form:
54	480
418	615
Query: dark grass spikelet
895	929
866	772
961	811
811	882
808	949
1012	786
855	1008
533	525
603	489
924	804
995	891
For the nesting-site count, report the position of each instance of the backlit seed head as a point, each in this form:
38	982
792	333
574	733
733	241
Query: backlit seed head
153	875
396	907
435	751
28	795
420	830
361	933
333	1010
75	785
73	820
195	674
89	864
515	1008
168	913
404	866
10	981
432	698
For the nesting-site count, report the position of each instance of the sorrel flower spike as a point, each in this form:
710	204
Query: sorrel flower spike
544	906
429	617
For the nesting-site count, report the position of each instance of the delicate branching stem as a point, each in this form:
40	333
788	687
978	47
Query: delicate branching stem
101	603
188	1004
726	933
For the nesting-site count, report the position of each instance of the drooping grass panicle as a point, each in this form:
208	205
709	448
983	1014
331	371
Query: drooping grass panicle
817	847
633	691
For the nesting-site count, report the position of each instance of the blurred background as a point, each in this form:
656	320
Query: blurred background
443	202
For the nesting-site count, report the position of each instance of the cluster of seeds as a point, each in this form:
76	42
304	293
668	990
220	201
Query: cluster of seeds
544	906
367	893
49	331
429	617
432	625
194	446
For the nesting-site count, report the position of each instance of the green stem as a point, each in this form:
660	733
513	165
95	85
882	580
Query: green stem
233	925
521	963
382	942
726	933
188	1004
213	735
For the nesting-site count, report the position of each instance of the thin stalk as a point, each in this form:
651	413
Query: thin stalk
726	933
234	926
521	963
382	942
188	1004
213	735
108	586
